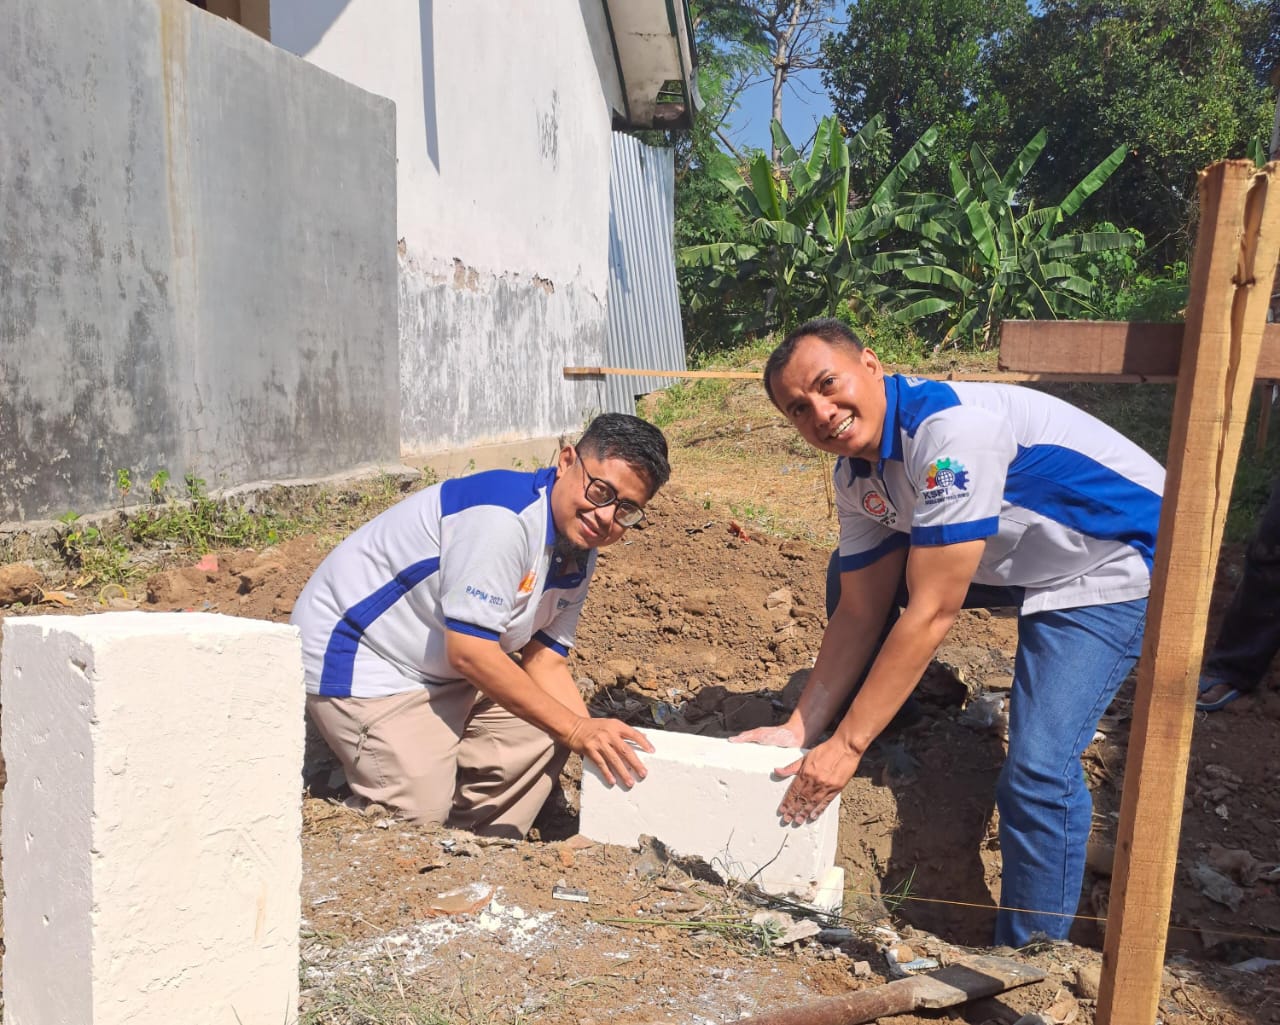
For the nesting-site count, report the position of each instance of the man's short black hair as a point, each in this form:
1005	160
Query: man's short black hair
636	442
830	330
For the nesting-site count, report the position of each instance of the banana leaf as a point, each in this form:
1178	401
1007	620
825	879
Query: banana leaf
1092	182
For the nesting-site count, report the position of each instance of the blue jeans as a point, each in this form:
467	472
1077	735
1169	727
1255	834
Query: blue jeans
1069	665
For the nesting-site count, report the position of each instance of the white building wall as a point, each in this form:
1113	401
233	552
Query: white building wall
503	113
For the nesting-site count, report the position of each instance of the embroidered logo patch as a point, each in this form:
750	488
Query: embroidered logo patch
945	479
877	507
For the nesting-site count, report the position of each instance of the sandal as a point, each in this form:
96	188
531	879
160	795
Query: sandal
1208	684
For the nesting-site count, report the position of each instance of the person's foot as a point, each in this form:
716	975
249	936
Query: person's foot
1214	696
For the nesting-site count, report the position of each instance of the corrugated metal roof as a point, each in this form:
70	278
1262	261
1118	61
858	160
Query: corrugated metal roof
644	329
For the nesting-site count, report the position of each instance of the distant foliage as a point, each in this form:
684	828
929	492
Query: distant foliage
1125	289
983	255
807	245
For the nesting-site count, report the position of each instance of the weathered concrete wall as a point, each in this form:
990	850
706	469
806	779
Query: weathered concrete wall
503	216
197	261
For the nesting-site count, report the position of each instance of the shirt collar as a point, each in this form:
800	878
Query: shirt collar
890	436
546	478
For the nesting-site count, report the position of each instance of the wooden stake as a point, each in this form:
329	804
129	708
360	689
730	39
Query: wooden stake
1232	271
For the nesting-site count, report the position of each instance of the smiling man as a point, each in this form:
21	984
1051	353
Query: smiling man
944	486
409	628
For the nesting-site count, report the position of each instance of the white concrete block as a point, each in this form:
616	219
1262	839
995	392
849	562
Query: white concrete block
707	797
152	819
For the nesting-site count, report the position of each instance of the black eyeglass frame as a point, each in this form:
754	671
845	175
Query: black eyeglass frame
623	507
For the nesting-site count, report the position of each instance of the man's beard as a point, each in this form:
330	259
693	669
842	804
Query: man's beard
567	553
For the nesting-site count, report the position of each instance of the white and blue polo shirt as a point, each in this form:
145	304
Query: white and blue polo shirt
474	555
1067	505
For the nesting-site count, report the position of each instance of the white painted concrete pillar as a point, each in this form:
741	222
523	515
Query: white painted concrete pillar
709	798
152	820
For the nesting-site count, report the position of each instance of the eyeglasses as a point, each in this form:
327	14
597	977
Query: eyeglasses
601	493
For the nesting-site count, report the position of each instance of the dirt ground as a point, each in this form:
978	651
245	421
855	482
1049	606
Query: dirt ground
706	620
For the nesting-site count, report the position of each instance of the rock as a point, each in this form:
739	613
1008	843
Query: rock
1100	857
1088	981
781	598
648	685
746	712
19	583
862	969
986	713
623	670
1063	1011
709	700
801	930
254	577
1238	864
700	603
1217	887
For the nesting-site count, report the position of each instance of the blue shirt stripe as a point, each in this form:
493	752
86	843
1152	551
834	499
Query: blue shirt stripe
954	533
340	653
1081	493
507	489
547	641
471	630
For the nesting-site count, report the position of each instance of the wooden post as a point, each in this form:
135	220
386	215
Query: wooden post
1232	271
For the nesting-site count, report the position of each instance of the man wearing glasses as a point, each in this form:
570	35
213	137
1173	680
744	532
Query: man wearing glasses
411	626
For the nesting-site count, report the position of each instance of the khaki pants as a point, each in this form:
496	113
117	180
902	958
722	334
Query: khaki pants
443	753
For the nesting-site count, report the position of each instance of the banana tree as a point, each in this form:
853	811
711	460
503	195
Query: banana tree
981	258
803	247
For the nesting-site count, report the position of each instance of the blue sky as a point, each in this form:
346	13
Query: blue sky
804	104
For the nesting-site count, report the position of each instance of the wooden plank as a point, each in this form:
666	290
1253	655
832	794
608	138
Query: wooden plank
968	978
1231	275
726	375
1097	347
1005	376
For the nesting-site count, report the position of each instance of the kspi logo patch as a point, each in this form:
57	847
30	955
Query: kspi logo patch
945	479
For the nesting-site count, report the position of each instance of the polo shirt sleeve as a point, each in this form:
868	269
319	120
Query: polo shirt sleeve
560	633
958	462
863	540
483	559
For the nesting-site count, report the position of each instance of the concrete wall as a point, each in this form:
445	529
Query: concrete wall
197	261
503	135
